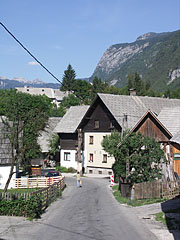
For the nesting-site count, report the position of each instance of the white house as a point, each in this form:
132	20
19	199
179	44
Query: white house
67	131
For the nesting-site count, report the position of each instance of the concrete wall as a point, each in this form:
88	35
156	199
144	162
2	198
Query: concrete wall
97	166
72	162
4	174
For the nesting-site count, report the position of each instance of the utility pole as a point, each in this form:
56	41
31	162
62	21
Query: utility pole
79	167
127	168
125	127
124	124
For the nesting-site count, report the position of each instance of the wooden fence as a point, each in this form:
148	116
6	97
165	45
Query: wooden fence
12	196
147	190
38	182
50	193
156	189
170	189
47	194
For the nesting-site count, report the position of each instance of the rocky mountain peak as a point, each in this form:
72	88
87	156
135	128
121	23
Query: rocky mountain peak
146	36
152	55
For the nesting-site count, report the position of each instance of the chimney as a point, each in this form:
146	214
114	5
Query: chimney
132	92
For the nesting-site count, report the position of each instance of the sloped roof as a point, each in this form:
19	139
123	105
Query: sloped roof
176	138
141	121
49	92
47	133
135	106
71	119
170	117
59	94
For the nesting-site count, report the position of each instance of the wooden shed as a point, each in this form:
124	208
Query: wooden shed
36	166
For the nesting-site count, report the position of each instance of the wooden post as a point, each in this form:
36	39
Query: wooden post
79	165
127	168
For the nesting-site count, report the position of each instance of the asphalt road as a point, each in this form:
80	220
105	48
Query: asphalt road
86	213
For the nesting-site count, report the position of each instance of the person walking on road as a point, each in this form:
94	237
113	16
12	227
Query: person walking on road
78	179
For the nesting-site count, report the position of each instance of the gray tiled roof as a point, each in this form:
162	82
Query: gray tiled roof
47	133
49	92
170	117
135	106
176	138
71	119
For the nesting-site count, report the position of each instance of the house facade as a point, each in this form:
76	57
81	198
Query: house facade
55	95
150	126
97	161
175	142
170	117
43	140
96	124
67	131
5	158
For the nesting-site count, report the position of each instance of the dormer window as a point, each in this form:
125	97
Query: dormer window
96	124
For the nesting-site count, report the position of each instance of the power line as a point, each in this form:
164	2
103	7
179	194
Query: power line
34	56
30	53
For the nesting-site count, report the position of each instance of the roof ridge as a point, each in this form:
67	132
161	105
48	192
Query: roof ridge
138	100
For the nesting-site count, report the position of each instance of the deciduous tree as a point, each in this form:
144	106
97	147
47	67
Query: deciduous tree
25	115
144	156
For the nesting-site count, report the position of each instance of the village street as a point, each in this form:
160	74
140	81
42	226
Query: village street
90	212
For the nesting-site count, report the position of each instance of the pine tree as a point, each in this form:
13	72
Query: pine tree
68	79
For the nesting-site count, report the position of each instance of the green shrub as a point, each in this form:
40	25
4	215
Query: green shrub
71	170
65	170
31	208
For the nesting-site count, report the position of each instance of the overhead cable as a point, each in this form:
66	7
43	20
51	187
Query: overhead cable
30	53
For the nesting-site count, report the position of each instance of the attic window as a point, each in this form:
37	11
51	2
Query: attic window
96	124
42	90
111	125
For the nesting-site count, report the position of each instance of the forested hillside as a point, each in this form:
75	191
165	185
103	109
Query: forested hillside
155	57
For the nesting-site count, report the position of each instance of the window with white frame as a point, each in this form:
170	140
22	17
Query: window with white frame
67	156
91	140
91	157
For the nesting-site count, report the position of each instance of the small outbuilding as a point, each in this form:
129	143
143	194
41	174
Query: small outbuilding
36	166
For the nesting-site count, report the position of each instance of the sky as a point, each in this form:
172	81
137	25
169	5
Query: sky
76	32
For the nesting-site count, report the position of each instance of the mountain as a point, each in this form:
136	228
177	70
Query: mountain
21	82
154	56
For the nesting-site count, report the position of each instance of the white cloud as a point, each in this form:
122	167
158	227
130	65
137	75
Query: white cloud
33	63
57	47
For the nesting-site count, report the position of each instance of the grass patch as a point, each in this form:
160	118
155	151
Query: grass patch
170	221
160	217
134	203
22	190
